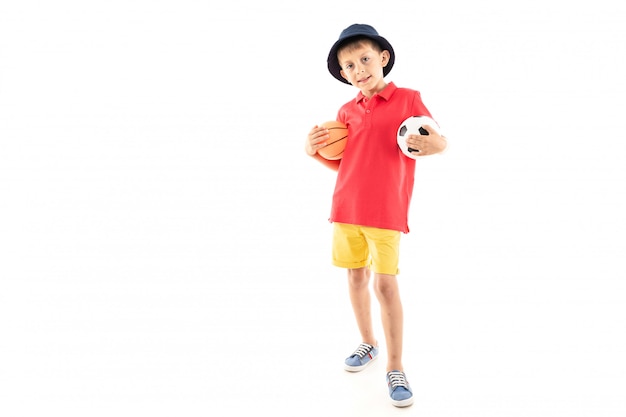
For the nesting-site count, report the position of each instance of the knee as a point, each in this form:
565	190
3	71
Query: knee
385	287
358	278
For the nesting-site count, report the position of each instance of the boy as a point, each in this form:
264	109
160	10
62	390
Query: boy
373	191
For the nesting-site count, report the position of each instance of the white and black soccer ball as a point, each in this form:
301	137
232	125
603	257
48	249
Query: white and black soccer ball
414	126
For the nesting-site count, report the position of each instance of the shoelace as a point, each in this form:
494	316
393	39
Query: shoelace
363	350
397	379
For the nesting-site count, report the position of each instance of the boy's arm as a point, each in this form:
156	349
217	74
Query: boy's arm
316	140
430	144
334	165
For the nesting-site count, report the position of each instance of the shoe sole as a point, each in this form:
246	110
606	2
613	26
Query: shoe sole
402	403
351	368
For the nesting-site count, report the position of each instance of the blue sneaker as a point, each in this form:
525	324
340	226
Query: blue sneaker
399	389
362	356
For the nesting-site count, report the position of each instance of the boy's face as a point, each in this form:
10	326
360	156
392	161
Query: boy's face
362	66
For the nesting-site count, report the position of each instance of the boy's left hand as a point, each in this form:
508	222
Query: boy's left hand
427	144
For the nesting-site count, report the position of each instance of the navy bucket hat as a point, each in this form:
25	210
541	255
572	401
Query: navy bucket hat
354	31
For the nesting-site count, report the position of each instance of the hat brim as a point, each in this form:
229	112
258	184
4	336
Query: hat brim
333	62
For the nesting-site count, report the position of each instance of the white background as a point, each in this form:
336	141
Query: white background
163	238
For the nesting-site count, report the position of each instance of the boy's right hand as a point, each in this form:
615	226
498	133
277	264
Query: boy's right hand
316	140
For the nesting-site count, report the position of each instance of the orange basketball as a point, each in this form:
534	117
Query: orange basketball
337	142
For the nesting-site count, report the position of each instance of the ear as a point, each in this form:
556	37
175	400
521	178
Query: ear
343	75
385	56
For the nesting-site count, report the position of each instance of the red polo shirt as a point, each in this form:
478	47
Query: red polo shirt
375	179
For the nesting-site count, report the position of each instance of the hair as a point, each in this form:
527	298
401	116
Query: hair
353	43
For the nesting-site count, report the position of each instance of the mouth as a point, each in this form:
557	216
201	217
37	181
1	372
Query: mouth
363	80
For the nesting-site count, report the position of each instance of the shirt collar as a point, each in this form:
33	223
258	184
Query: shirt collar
385	94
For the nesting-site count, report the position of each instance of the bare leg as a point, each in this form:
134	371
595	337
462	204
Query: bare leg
358	286
388	294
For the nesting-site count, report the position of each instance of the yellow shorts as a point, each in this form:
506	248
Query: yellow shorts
359	246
